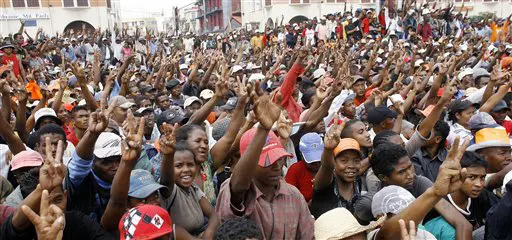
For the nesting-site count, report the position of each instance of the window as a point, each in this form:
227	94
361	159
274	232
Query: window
304	1
268	2
491	0
25	3
75	3
367	1
109	3
465	0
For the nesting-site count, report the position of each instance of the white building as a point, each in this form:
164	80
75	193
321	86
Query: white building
255	13
55	15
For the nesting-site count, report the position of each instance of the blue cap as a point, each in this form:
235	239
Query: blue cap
500	106
142	184
311	146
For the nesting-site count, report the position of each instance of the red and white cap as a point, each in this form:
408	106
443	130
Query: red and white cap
145	222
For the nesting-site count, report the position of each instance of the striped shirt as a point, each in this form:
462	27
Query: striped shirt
285	217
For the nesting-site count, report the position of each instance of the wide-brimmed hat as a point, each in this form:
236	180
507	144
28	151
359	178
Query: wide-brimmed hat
490	137
339	223
6	44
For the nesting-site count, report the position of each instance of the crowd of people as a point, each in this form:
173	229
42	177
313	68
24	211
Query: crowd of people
357	125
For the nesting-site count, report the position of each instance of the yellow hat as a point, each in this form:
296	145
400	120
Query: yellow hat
347	144
490	137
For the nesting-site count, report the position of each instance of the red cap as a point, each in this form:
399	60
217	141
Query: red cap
271	152
440	92
145	222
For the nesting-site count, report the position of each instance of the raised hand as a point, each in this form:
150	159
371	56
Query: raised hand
407	235
221	89
333	136
265	111
243	92
53	172
50	222
98	121
132	144
283	126
168	138
79	73
451	175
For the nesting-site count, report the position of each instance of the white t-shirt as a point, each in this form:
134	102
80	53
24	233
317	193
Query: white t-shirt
310	36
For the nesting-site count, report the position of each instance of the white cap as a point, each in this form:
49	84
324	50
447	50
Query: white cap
425	11
31	105
418	62
396	97
107	145
465	72
191	100
206	94
166	41
256	76
318	73
44	112
422	50
183	66
380	51
236	68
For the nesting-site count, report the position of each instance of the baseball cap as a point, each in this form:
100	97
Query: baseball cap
256	76
500	106
271	152
461	105
191	100
357	78
347	144
172	83
318	73
122	102
27	158
425	112
311	147
107	145
350	97
482	120
170	116
45	113
146	89
236	68
391	199
206	94
379	114
142	110
396	97
230	104
145	222
183	66
480	72
143	184
465	72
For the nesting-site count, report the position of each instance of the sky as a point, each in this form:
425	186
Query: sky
142	8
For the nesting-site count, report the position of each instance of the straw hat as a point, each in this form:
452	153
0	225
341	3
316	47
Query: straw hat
339	223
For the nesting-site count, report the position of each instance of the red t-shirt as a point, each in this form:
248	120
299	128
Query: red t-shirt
299	176
365	25
508	126
71	136
15	63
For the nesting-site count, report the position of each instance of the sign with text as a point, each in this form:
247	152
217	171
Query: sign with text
16	16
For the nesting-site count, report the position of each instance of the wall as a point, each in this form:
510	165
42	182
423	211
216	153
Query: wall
56	17
251	12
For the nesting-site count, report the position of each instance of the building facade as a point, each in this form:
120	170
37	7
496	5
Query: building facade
55	15
257	13
219	15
